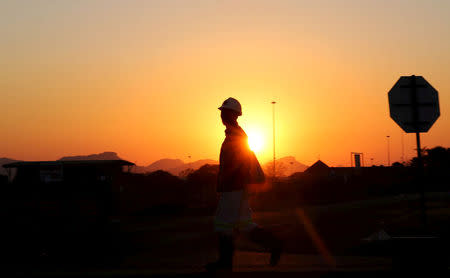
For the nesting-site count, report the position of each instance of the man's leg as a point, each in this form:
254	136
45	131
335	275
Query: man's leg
226	252
225	222
269	241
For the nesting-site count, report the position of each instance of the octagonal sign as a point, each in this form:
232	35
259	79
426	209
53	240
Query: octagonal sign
414	104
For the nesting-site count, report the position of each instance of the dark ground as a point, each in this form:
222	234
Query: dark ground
332	245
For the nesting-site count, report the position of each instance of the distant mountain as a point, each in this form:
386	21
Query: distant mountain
162	164
192	165
285	166
3	161
99	156
173	166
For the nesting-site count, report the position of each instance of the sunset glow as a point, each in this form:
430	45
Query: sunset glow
144	78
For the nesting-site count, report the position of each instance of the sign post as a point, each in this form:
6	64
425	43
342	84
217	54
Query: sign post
414	106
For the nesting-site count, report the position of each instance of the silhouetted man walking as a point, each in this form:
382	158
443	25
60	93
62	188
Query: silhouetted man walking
235	173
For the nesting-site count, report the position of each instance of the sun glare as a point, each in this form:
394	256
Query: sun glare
255	141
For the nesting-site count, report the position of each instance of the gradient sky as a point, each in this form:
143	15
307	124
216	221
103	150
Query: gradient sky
145	78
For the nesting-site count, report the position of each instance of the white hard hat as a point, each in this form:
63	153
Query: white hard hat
232	104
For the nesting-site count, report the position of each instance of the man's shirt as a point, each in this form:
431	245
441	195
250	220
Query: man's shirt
234	161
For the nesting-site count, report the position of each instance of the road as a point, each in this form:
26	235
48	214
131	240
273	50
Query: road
181	246
246	264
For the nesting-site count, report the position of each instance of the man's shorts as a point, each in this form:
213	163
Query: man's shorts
233	213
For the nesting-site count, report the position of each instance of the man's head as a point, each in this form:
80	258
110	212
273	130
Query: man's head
229	117
230	111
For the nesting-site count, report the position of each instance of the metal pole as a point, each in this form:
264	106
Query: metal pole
420	180
273	118
388	151
419	153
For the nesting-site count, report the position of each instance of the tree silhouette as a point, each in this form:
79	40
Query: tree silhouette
437	157
397	164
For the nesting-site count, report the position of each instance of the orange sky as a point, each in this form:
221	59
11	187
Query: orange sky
144	79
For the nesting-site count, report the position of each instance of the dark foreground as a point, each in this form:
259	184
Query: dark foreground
325	241
255	274
247	264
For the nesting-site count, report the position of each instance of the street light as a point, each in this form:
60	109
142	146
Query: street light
273	118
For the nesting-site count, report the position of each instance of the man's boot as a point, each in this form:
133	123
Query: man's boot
269	241
226	252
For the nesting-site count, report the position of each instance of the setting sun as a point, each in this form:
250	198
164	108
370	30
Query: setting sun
255	141
128	76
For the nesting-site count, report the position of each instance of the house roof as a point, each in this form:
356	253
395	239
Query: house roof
318	167
67	162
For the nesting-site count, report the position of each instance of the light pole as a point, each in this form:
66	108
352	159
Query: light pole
388	150
273	119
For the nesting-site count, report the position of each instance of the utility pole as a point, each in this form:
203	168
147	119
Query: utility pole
273	118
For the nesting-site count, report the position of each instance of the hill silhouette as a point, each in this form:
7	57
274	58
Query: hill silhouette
285	166
162	164
99	156
172	166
